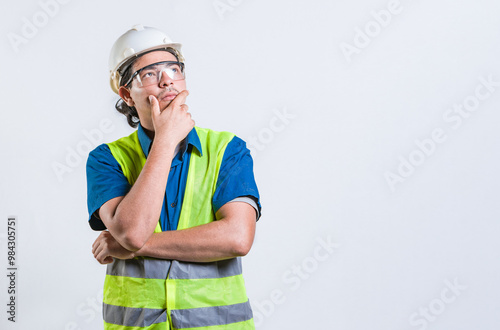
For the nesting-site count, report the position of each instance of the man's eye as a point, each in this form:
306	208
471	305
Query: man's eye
148	74
174	68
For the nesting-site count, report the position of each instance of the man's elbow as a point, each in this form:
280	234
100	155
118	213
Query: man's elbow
242	250
133	239
242	246
133	242
243	236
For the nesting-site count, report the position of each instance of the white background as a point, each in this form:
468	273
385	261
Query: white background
350	120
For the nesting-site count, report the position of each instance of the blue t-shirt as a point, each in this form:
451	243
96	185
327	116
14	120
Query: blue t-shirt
105	178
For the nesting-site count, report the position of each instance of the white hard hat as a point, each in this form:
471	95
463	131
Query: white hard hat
133	43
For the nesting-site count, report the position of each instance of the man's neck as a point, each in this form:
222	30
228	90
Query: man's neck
149	133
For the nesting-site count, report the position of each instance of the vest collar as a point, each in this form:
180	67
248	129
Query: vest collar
191	139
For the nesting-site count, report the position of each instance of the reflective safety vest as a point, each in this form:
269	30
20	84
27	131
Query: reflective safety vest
150	293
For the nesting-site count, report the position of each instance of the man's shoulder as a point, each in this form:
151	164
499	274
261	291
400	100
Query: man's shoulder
98	151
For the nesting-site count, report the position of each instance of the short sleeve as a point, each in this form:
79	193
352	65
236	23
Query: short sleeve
105	181
236	178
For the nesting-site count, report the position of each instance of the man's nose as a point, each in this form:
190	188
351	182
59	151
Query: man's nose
165	79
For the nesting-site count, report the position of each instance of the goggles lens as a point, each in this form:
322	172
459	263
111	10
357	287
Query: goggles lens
153	73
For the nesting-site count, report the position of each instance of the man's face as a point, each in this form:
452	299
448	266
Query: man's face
165	91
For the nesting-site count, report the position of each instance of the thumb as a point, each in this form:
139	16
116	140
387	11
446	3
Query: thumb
155	106
107	260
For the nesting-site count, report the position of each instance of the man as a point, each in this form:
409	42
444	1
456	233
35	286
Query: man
179	202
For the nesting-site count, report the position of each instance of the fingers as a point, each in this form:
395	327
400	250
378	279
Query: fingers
174	122
107	260
179	99
155	105
103	257
96	245
97	242
99	249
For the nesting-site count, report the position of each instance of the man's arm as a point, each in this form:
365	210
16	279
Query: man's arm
131	219
230	236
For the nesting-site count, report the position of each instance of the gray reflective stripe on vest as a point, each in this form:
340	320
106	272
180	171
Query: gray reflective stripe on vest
217	269
140	268
133	317
208	316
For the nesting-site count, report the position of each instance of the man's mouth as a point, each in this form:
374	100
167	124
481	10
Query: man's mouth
168	96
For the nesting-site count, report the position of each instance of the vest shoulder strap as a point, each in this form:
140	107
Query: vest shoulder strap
128	153
213	141
202	178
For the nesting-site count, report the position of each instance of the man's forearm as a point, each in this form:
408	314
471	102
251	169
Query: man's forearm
138	212
226	238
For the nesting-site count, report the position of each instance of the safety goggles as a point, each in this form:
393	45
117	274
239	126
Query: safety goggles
152	74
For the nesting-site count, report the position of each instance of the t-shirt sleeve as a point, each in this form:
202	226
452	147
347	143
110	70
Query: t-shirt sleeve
236	178
105	181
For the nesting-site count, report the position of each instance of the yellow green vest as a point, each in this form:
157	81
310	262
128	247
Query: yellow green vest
149	293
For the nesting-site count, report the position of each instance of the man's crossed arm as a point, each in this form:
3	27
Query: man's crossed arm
230	236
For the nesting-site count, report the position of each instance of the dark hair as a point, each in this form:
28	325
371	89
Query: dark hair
121	106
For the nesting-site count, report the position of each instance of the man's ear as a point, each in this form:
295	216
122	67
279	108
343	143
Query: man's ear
125	95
